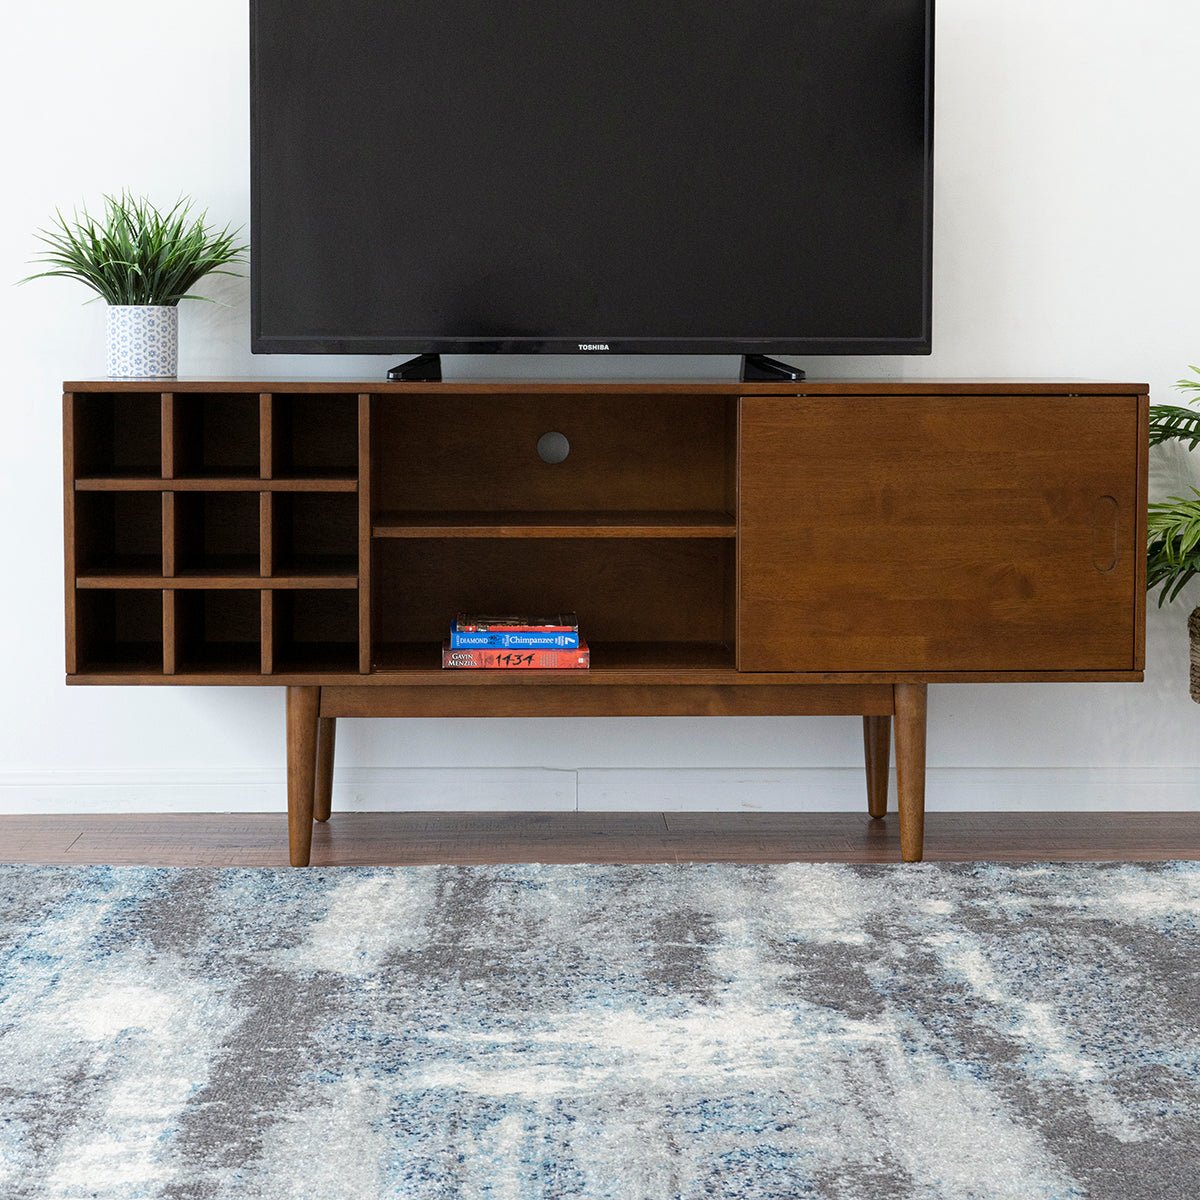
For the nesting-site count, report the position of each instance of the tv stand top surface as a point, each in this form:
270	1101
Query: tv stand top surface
727	387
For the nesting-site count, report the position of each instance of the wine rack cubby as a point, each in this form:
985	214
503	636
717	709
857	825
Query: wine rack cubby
314	435
314	533
119	533
116	435
212	533
217	630
315	631
216	533
119	631
215	436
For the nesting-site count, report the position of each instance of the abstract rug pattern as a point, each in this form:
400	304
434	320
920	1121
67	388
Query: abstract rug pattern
609	1032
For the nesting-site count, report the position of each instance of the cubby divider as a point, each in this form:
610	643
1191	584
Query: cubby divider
267	630
266	533
170	533
266	442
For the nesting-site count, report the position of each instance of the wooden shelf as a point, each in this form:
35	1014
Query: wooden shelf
128	663
222	658
633	658
215	483
317	658
132	577
554	525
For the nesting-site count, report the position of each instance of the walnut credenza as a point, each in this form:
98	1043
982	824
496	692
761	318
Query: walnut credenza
730	548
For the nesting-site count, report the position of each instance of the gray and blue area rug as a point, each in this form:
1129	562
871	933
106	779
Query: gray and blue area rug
616	1033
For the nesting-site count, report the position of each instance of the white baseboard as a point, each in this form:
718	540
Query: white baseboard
948	789
1079	789
262	790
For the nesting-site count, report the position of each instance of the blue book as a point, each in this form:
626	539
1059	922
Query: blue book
494	640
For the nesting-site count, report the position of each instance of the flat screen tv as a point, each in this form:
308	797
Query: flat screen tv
718	177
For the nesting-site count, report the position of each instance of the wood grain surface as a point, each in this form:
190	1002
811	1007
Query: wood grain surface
349	839
930	534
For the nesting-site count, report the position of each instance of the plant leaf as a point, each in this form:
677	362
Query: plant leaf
135	253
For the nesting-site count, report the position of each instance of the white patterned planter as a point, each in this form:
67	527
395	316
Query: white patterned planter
143	341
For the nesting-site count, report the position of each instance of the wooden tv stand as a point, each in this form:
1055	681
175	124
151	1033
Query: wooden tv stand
730	548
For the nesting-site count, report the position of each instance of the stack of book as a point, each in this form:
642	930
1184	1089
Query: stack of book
516	643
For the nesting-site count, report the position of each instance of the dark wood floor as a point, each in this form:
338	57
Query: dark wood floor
260	839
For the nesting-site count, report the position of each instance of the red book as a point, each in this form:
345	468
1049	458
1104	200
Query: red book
517	660
559	623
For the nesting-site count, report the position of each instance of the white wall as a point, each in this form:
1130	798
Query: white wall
1067	178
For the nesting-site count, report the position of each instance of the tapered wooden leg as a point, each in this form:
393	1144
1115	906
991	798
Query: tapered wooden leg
326	737
303	705
877	752
910	768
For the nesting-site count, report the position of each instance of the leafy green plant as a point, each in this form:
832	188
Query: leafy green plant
136	254
1173	558
1173	526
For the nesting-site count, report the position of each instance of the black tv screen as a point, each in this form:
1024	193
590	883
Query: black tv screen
728	176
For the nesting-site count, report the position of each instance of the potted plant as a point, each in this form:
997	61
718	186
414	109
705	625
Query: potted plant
142	262
1173	526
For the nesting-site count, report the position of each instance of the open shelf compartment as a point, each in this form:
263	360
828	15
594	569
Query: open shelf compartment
314	435
119	632
118	534
643	604
217	631
315	631
215	435
632	657
117	435
216	533
639	465
314	533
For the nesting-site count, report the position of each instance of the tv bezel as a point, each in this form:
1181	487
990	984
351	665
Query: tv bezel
261	343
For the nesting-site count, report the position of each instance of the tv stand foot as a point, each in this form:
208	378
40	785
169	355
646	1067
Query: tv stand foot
425	368
303	719
760	368
877	752
323	800
910	705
